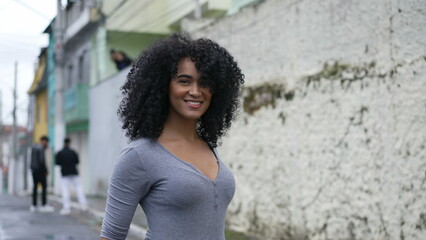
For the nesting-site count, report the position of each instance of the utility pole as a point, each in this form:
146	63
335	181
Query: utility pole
59	90
14	133
59	81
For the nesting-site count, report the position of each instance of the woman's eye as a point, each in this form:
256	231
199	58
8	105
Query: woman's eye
185	82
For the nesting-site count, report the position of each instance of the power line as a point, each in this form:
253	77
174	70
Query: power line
117	7
19	45
32	9
19	35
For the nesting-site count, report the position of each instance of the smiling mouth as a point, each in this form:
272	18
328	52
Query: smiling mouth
194	104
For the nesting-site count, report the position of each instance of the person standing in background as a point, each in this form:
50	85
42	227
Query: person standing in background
40	172
120	59
68	160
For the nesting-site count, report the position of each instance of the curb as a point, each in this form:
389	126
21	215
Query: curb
135	230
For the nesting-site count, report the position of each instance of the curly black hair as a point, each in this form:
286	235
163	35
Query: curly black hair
145	104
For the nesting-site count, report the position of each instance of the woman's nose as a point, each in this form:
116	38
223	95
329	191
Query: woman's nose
195	89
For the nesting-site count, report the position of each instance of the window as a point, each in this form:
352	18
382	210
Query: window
81	68
69	80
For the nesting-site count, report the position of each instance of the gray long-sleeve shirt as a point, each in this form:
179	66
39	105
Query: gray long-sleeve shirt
179	201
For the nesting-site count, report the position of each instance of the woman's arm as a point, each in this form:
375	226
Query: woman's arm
129	184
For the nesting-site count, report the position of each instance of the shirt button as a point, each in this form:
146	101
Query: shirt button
215	195
215	207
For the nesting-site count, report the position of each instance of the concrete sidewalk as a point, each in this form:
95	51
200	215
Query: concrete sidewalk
18	223
137	231
96	211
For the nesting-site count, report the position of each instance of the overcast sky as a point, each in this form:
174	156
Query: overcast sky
22	23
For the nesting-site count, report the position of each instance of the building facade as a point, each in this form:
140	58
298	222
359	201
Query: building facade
38	113
79	20
51	83
38	90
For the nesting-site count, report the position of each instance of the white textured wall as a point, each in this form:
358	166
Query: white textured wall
106	139
344	156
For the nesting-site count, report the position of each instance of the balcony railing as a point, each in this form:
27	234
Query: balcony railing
76	103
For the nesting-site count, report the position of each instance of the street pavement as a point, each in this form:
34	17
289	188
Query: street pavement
18	223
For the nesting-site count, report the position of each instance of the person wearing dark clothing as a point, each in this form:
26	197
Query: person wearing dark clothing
68	160
120	59
39	172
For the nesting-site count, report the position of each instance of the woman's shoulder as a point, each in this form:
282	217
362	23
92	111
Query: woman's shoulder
133	164
141	142
141	147
134	154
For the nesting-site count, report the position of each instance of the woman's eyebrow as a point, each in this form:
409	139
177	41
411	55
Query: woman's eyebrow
184	76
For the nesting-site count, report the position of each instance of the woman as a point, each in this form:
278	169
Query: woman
179	99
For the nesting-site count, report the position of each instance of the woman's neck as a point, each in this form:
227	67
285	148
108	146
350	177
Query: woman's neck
180	128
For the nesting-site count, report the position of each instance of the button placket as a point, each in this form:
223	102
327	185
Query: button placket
215	196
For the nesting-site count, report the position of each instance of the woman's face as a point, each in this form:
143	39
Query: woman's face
188	99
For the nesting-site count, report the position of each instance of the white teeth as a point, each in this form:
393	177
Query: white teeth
193	103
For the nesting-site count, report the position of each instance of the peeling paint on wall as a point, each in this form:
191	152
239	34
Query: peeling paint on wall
261	96
344	73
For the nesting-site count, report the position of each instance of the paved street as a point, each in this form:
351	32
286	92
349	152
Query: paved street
18	223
